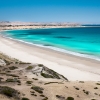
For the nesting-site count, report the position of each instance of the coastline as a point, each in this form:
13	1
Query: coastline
60	50
72	67
34	27
56	49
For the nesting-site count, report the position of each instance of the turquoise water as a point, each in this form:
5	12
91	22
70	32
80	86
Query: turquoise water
83	40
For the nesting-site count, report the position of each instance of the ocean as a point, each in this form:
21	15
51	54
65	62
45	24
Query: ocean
79	41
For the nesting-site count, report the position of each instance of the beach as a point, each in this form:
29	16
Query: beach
72	67
49	50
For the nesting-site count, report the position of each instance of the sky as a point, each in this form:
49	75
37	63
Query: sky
81	11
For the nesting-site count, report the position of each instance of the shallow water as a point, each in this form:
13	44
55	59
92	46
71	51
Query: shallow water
83	40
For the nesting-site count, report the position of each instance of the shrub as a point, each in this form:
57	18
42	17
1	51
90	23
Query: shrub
42	95
34	78
60	97
13	75
46	98
32	91
10	92
98	83
95	93
37	89
13	67
29	67
70	98
13	80
81	81
10	80
76	88
96	88
19	81
86	92
40	65
29	82
18	84
33	94
24	63
16	62
25	99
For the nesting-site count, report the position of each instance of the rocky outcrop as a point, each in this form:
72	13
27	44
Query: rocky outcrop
45	72
2	62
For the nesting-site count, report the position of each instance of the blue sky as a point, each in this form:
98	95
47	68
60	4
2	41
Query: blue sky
82	11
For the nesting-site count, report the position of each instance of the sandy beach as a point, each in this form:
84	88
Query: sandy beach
72	67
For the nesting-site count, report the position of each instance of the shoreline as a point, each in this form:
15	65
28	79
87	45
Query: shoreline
34	27
56	49
40	27
70	66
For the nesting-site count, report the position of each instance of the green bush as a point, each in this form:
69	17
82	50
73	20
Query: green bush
10	92
70	98
33	94
40	65
37	89
29	67
13	67
42	95
13	80
24	63
13	75
7	92
25	99
10	80
29	82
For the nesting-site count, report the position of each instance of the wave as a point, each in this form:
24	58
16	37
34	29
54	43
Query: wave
56	49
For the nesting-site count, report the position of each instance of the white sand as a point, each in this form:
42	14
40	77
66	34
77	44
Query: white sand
70	66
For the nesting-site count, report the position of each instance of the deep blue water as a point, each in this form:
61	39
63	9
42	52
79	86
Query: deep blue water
84	40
